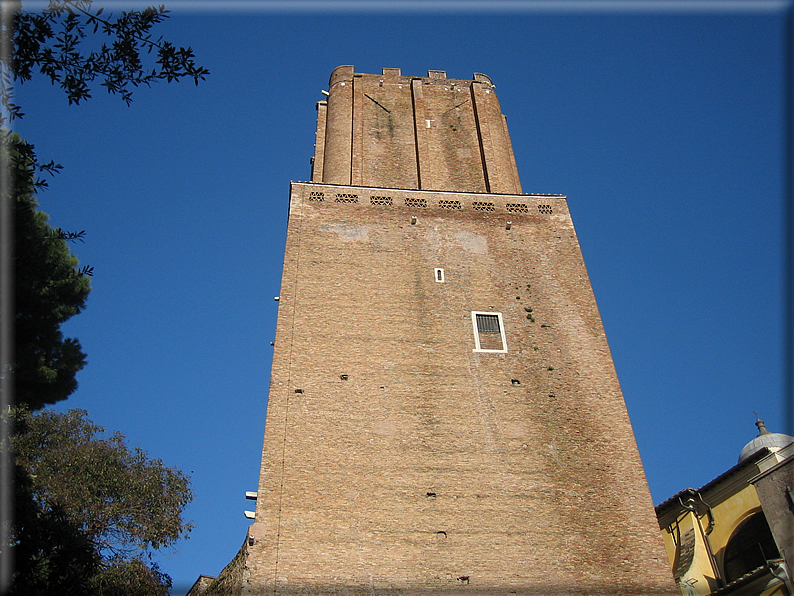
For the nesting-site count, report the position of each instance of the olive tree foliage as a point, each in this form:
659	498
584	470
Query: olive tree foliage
120	498
75	46
92	490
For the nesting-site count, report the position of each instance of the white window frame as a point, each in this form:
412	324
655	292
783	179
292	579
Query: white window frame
477	348
439	273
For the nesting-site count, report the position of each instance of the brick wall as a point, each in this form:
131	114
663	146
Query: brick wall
399	460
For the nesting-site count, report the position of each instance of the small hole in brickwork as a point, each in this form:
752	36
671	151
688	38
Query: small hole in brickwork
344	377
517	208
431	495
544	209
515	381
464	579
299	391
441	534
251	541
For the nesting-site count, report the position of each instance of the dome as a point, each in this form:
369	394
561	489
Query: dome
772	441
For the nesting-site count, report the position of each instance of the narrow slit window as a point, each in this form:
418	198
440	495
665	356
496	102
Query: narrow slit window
439	275
489	332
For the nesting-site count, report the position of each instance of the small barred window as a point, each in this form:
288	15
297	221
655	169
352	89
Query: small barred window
448	204
317	195
517	208
415	202
483	206
544	209
489	334
380	201
346	198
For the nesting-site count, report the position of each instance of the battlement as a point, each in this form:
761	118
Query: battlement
347	73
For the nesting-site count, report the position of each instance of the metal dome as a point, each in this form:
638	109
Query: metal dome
772	441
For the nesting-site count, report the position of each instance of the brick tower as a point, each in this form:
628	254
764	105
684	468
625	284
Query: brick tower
444	414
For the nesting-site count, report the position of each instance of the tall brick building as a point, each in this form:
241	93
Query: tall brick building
444	414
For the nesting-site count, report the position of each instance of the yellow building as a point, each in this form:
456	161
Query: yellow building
734	535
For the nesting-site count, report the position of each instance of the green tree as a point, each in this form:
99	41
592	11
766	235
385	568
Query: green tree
52	555
93	488
75	46
70	43
49	288
129	577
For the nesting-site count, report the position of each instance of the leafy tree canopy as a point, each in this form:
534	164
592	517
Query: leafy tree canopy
84	486
51	554
63	43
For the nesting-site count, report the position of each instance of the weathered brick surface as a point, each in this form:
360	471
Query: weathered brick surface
430	133
397	459
428	464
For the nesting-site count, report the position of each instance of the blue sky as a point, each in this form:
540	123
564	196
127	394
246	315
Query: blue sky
661	121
